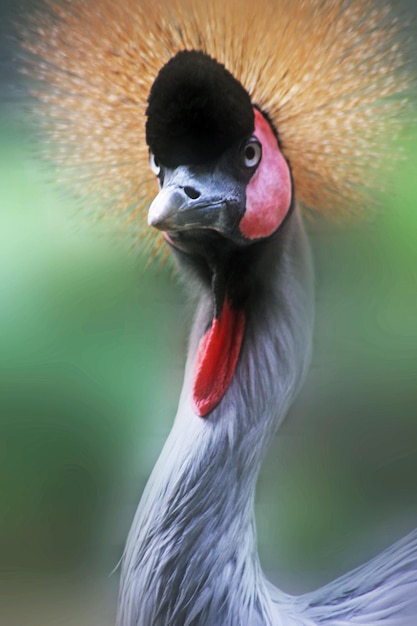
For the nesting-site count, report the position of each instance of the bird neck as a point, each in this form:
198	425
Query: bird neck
193	537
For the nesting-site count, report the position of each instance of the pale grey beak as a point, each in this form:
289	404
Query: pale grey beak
192	198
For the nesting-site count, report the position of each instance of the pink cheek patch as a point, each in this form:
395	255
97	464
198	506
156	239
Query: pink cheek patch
268	194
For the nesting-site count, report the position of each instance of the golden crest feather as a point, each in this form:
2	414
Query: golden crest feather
332	75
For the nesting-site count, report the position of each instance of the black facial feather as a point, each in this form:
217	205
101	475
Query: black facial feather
196	110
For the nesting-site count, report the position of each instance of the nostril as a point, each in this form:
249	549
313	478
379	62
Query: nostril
192	193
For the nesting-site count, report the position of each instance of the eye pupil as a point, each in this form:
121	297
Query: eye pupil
250	152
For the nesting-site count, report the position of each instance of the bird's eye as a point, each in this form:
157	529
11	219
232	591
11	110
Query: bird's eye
252	153
154	164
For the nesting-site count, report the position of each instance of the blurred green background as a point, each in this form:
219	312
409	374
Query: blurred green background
92	347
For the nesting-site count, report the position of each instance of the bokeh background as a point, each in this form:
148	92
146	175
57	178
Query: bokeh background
92	346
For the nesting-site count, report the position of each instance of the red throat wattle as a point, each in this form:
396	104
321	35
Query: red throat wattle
217	356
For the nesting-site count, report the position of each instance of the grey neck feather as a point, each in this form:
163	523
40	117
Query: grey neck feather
191	556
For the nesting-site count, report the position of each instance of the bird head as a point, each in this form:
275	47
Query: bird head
336	100
216	157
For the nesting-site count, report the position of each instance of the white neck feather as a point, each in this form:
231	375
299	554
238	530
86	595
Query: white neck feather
191	555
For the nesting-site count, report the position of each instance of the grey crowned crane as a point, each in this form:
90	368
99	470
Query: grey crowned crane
246	111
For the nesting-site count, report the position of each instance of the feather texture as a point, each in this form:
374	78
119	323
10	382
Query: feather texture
331	75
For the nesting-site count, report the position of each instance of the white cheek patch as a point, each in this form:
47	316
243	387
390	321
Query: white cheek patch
268	194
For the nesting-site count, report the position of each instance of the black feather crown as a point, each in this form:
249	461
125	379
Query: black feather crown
196	109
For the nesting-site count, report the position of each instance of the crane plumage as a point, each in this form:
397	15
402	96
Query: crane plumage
332	76
245	111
